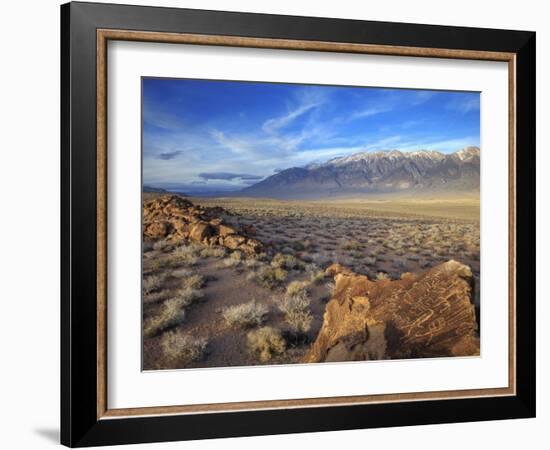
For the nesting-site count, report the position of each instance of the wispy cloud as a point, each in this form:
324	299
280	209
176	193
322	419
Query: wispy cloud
420	97
228	176
444	145
236	145
161	119
384	143
273	125
311	155
464	105
427	143
168	155
227	135
393	100
368	112
411	124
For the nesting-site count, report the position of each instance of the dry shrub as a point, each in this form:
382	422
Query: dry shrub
153	283
351	244
251	263
291	303
154	265
188	295
299	321
171	313
271	277
381	276
262	256
186	255
287	262
316	275
245	315
182	348
193	282
369	260
297	312
230	262
147	246
153	297
212	252
297	288
267	341
237	255
160	245
181	273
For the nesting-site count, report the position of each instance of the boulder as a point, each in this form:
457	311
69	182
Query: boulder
233	241
181	226
174	218
418	316
224	230
251	247
200	231
157	230
335	269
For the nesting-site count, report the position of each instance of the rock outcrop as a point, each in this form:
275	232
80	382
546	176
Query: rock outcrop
175	219
418	316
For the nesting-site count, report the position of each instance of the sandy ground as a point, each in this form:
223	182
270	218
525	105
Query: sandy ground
371	237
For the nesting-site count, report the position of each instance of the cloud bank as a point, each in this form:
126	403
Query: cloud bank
227	135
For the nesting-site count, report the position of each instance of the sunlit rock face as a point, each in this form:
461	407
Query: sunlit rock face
418	316
176	219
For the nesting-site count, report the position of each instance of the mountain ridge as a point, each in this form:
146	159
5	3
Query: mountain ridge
375	173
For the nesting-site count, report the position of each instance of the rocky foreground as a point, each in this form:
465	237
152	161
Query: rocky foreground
418	316
176	219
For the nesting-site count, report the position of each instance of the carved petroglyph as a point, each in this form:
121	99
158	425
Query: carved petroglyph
427	315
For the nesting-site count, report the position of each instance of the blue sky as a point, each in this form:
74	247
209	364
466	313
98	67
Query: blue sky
203	135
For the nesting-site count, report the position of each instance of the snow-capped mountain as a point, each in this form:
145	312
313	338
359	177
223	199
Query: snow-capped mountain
376	172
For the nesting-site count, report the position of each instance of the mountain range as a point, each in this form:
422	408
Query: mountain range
382	172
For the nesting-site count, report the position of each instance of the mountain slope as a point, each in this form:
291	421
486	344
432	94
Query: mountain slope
376	172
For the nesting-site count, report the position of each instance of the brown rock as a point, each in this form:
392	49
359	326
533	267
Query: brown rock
180	226
335	269
251	247
174	218
408	276
213	240
429	315
200	231
233	241
157	229
224	230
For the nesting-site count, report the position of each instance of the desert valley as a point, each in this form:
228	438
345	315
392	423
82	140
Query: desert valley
369	256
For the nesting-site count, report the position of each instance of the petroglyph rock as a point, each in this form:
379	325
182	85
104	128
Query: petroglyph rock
418	316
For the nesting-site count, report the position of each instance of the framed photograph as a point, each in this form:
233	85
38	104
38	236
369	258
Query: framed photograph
276	224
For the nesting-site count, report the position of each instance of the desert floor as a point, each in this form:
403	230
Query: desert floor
379	238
